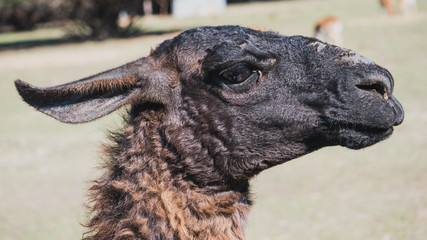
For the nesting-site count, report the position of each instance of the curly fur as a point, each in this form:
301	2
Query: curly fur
145	193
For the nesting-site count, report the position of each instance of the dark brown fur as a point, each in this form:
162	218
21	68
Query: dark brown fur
140	197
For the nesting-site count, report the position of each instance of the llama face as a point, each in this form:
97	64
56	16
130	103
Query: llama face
281	97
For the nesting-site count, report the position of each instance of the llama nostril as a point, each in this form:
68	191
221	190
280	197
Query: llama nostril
375	88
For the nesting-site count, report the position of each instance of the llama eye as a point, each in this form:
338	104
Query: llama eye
237	74
240	78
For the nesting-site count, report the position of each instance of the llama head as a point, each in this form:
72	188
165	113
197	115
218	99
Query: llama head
268	98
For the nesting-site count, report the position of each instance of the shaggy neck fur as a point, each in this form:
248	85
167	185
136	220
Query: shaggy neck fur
148	191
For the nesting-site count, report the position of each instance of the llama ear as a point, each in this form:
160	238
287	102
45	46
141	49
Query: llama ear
86	99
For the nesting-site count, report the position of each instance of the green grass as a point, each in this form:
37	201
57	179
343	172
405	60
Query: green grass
39	35
335	193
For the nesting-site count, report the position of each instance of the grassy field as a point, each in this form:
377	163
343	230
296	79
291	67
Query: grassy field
335	193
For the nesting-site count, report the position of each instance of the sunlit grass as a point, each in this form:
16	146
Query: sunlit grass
38	35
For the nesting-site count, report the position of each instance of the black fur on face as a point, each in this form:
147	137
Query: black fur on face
235	101
299	95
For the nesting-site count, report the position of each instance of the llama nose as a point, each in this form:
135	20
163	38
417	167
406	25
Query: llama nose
381	85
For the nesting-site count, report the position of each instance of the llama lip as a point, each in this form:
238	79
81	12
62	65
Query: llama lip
398	110
361	128
354	135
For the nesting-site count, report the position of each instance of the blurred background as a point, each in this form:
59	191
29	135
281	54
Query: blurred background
335	193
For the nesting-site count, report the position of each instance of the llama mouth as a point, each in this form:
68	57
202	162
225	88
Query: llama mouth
340	125
355	135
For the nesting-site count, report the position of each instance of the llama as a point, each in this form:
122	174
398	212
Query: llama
330	30
210	109
387	6
407	7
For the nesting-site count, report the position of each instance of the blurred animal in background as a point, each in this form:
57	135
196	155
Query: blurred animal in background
329	30
387	6
124	19
407	7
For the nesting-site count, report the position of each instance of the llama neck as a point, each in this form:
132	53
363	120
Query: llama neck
146	195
